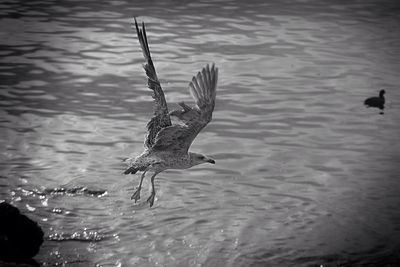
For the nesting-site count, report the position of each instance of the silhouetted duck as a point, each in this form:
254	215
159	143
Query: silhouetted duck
376	102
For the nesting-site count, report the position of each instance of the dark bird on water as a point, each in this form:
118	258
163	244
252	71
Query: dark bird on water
376	102
166	145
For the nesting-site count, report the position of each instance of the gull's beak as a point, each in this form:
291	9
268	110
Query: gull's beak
211	161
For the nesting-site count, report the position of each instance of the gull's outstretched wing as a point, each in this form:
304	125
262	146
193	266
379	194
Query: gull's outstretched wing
161	117
203	90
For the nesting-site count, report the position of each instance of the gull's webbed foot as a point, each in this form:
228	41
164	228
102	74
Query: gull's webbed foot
151	198
136	195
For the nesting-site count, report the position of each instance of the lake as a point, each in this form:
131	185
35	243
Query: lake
305	174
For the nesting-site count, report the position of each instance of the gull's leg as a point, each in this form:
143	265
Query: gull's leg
136	195
153	191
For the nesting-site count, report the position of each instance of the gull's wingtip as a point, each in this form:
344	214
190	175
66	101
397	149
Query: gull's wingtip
213	67
136	24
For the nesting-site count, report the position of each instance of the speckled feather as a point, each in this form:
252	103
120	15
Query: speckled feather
161	117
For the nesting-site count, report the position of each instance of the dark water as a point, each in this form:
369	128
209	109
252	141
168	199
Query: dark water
305	174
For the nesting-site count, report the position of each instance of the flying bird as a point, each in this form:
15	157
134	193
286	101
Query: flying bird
166	145
376	102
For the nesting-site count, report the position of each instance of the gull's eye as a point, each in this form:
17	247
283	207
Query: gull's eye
201	157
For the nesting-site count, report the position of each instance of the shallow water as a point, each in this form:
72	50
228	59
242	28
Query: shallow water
305	174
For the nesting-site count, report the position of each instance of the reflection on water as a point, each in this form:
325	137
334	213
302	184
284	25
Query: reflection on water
305	174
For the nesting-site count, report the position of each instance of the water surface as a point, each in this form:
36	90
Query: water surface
305	174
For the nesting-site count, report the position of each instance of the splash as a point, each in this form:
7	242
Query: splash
75	191
81	236
79	190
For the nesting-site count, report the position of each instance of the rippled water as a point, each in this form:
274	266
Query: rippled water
305	174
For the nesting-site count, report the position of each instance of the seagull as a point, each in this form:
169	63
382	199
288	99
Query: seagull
376	102
166	145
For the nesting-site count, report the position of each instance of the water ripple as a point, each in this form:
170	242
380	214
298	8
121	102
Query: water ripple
301	164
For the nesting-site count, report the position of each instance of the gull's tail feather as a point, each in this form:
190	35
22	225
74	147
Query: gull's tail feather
134	169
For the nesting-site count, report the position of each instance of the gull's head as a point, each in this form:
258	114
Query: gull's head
197	159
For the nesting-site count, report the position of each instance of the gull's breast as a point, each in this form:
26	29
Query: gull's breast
173	161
